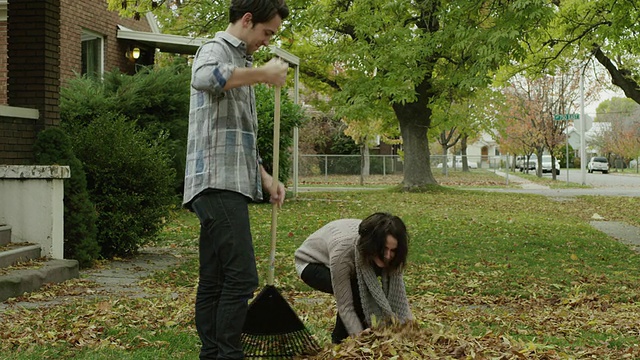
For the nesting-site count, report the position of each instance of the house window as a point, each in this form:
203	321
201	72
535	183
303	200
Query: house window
92	54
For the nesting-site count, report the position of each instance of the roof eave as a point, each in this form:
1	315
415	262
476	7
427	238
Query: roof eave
164	42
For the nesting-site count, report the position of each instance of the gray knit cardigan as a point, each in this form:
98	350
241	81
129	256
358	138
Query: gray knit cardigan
334	246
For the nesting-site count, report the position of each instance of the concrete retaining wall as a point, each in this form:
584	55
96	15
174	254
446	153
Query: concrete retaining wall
31	202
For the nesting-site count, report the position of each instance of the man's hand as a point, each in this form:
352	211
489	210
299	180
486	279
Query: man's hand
275	72
277	194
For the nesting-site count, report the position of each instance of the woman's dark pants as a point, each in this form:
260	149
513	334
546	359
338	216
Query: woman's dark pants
318	276
228	275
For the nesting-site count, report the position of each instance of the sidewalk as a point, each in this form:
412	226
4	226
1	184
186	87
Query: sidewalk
113	278
524	183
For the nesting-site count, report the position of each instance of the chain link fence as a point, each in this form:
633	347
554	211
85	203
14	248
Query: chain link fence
317	165
328	165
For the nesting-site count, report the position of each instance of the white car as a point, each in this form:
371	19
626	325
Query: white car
598	163
522	164
472	164
546	164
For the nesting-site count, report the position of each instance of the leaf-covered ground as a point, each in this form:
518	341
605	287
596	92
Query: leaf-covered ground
490	276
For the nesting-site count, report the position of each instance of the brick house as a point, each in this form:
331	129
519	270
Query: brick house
43	43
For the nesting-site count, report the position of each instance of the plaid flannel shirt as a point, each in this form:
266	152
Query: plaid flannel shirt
222	148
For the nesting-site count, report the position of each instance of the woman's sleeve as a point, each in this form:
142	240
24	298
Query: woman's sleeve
342	266
408	306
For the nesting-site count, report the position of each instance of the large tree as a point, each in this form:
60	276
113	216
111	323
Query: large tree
406	55
400	55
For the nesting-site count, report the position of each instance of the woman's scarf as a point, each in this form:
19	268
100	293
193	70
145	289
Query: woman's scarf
384	303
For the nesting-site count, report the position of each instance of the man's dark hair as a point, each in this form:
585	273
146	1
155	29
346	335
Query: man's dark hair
373	233
262	10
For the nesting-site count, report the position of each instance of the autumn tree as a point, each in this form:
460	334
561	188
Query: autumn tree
514	137
368	132
533	102
522	121
323	134
620	138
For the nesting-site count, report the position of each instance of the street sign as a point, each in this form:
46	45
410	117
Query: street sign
565	117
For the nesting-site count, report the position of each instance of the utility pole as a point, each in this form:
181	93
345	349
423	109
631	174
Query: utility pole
583	150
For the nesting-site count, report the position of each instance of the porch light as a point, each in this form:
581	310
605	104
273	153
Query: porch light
133	54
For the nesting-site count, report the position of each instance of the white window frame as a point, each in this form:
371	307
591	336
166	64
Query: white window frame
90	36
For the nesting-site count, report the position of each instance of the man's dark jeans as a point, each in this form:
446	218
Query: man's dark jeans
318	276
228	275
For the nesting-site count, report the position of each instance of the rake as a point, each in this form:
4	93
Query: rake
272	330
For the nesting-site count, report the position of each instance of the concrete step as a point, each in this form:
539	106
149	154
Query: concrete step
5	234
20	281
16	253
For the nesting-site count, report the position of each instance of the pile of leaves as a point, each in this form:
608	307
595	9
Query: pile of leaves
412	341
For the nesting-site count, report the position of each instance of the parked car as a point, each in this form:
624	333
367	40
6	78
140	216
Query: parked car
522	164
546	164
472	164
598	163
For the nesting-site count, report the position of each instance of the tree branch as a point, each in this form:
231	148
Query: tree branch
618	77
320	77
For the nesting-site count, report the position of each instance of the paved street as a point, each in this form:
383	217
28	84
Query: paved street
612	179
611	184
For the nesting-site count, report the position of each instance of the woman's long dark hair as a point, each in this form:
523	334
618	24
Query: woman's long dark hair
373	233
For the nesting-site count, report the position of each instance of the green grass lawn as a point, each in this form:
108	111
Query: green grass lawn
517	268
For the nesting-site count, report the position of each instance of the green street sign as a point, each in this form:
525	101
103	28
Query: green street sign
564	117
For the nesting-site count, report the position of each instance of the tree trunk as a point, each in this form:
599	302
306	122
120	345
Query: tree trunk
463	151
365	161
445	158
415	119
539	162
366	167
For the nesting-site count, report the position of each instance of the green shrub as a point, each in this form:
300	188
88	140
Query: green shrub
157	99
129	178
291	115
54	147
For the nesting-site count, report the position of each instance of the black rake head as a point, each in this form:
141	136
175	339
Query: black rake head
272	329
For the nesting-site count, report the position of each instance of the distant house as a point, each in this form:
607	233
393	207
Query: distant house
46	42
597	130
592	131
484	150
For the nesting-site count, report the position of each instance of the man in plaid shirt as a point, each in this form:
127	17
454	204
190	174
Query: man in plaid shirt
224	171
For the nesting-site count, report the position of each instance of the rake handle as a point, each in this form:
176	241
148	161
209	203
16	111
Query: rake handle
274	185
